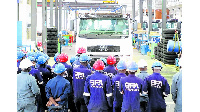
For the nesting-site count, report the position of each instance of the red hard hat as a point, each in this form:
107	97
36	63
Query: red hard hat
98	65
39	44
63	57
81	50
111	60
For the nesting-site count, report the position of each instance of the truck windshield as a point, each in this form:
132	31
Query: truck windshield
104	26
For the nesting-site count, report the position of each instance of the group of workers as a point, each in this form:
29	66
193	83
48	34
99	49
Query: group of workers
81	88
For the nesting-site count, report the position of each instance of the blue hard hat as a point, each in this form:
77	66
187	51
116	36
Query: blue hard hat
46	56
59	68
37	54
72	59
157	64
30	54
104	60
41	60
83	57
121	65
20	54
89	59
31	58
56	56
132	66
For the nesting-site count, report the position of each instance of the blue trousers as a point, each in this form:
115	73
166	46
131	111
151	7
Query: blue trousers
80	105
97	110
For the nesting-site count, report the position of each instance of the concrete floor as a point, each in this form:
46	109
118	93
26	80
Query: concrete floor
168	70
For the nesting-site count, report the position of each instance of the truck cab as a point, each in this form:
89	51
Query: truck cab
105	34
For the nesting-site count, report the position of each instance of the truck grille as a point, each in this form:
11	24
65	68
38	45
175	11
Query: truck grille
103	48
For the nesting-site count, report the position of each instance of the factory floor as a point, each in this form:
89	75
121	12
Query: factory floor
168	70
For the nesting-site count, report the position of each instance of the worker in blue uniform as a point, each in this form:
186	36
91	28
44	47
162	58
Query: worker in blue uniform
46	75
79	77
142	65
37	55
20	56
157	87
118	97
176	89
63	58
89	61
110	69
131	88
27	88
35	72
77	63
98	90
57	89
56	59
72	59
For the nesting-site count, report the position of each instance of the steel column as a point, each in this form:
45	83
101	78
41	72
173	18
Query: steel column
64	17
164	15
56	14
150	15
51	13
60	15
133	9
75	22
44	25
141	11
33	20
17	10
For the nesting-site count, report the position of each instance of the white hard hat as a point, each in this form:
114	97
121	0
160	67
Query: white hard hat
25	63
142	63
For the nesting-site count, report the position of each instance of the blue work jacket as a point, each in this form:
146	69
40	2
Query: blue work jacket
58	87
110	71
155	85
176	90
46	73
27	89
118	97
131	87
98	88
36	73
76	64
79	77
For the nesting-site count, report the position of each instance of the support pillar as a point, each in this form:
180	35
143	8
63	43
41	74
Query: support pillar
51	13
56	14
164	15
33	20
133	9
60	15
44	25
64	17
150	15
141	11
